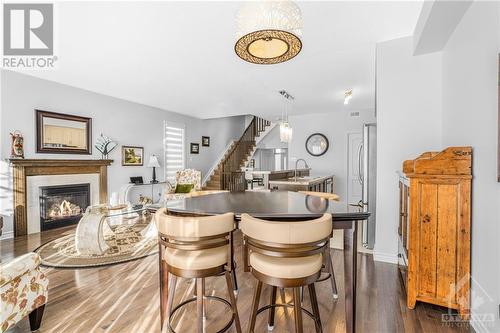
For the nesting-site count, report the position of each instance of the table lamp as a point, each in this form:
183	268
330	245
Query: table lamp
154	163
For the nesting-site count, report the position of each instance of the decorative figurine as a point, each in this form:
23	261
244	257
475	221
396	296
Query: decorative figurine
17	145
145	200
105	146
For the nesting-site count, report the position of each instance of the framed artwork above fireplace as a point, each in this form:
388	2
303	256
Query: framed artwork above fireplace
58	133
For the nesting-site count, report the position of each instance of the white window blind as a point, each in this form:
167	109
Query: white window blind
174	149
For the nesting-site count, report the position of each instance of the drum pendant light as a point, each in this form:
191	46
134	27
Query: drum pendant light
269	31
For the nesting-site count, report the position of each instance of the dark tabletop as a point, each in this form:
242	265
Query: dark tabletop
270	205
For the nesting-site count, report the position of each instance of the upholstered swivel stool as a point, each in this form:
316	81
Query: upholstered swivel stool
285	255
195	248
327	263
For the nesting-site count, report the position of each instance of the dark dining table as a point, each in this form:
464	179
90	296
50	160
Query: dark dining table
288	206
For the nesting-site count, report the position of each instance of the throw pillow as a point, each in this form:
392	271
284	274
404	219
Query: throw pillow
184	188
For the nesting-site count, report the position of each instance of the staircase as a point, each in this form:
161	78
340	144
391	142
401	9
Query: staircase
228	174
257	140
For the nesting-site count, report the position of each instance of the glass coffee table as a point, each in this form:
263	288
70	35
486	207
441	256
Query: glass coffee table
95	224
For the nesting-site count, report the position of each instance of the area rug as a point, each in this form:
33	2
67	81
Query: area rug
126	243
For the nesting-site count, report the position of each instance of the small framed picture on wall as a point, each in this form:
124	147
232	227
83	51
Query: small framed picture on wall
195	148
132	156
205	141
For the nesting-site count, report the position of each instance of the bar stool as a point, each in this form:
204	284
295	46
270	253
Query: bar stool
327	265
195	248
285	255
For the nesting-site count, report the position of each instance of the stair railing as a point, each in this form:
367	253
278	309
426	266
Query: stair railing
216	165
232	177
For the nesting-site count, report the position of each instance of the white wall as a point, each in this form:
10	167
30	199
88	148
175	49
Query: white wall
408	123
433	101
470	111
335	126
125	122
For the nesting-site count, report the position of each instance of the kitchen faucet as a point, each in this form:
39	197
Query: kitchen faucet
297	162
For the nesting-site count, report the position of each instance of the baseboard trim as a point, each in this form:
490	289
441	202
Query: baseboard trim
7	235
385	257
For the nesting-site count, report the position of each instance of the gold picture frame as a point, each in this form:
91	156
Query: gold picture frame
132	156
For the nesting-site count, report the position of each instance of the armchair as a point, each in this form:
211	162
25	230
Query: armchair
186	176
23	291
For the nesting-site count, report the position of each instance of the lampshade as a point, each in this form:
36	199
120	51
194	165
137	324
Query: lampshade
269	31
153	162
285	132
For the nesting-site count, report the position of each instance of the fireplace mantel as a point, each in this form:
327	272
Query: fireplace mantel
23	168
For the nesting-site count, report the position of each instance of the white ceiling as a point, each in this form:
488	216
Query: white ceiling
179	56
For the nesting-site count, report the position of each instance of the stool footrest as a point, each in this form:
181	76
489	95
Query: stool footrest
285	305
321	279
215	298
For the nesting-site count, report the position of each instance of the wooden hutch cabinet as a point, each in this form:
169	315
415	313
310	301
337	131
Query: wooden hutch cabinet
434	228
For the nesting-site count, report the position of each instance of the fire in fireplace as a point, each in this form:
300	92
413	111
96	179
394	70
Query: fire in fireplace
63	205
64	209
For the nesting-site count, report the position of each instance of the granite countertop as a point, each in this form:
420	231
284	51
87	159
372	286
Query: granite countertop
307	180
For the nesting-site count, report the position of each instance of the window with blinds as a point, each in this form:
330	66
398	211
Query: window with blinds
174	149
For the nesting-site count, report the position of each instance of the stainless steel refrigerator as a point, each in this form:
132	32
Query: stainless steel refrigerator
367	162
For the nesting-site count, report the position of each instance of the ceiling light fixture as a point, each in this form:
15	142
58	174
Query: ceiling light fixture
347	96
269	31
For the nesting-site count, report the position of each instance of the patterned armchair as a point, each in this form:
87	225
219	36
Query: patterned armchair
186	176
23	291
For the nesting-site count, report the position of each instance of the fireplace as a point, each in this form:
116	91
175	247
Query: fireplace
63	205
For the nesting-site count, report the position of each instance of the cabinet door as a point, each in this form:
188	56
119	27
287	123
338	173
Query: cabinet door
438	216
406	216
401	210
427	221
446	264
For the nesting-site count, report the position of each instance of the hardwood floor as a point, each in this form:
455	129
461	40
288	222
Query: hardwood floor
125	298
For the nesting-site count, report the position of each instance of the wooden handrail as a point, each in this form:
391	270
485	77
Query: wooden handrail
232	177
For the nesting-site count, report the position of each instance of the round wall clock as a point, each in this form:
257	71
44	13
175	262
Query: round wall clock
317	144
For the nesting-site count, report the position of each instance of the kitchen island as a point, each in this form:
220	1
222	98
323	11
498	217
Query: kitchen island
317	183
267	176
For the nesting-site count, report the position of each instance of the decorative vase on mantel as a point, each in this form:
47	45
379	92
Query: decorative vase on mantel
105	145
17	145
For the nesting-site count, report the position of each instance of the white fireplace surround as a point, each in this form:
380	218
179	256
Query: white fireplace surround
33	184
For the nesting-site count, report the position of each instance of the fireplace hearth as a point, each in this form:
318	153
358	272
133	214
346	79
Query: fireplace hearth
63	205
